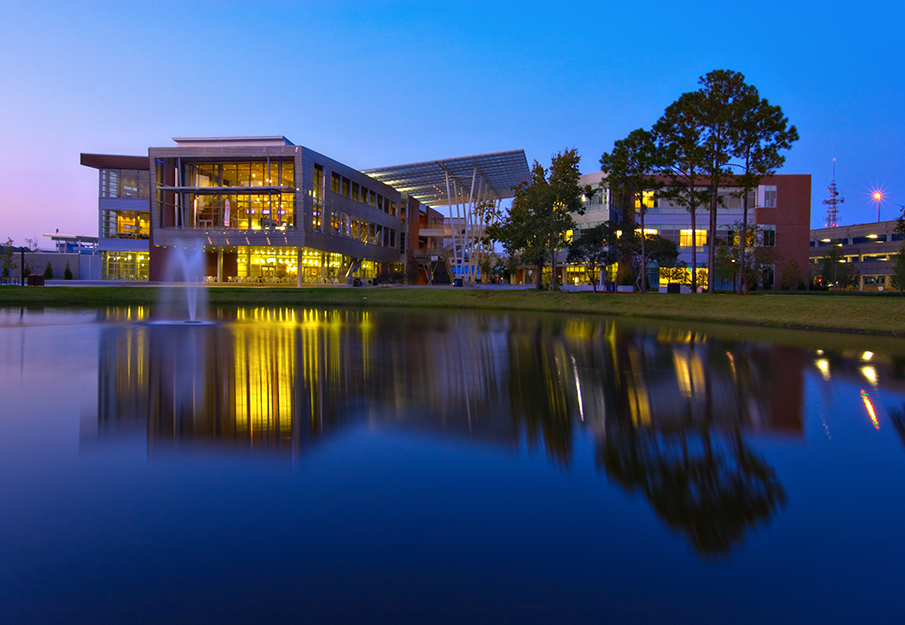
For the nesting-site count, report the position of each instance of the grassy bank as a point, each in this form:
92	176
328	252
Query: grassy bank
873	315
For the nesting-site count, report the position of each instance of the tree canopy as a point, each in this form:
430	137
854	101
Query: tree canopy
629	169
680	139
541	212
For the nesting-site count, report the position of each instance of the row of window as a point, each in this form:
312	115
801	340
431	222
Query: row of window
243	212
266	173
865	240
684	237
367	232
855	258
655	204
359	193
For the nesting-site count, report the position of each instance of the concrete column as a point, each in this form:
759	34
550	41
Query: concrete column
219	265
298	260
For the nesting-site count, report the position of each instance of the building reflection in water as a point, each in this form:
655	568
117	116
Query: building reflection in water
669	409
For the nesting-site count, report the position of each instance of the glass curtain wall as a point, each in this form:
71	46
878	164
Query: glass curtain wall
125	265
125	183
280	265
255	195
118	224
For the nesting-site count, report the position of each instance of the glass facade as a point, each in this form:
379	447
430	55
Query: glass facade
279	265
269	173
125	183
125	265
234	195
241	211
118	224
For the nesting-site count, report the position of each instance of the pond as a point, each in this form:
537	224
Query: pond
363	465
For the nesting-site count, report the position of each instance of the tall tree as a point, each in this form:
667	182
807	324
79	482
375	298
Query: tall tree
680	139
8	260
541	212
760	132
723	96
629	168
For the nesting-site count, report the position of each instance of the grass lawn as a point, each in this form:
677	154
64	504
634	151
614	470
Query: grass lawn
872	315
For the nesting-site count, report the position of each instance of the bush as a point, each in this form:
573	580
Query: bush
48	272
67	273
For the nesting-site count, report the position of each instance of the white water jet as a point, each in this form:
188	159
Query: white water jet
184	299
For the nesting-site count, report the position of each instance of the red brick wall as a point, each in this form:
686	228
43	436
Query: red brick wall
792	218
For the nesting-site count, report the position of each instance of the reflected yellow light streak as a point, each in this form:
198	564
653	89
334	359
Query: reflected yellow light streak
639	403
578	328
264	370
683	373
867	355
870	373
824	365
870	409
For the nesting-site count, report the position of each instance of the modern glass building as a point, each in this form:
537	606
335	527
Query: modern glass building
267	211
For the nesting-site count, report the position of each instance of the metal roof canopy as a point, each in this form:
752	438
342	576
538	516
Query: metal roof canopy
427	181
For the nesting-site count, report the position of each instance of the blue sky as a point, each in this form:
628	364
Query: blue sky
383	83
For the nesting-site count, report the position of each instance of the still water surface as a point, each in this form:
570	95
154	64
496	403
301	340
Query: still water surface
298	465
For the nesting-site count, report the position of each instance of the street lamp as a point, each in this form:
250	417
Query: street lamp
878	197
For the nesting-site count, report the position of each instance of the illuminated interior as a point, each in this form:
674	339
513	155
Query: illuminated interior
122	224
281	264
239	195
125	265
700	238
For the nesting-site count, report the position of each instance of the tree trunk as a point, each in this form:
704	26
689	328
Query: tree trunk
694	249
643	249
743	243
539	279
711	250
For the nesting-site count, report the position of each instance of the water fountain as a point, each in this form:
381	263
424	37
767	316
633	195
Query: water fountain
184	299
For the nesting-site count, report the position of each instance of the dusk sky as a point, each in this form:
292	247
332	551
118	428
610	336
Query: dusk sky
383	83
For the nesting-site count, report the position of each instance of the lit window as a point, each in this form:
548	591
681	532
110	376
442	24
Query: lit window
770	196
686	241
649	200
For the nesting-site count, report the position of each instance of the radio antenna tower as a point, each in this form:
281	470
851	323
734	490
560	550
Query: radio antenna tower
832	204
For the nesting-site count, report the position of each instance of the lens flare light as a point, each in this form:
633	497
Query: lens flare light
870	409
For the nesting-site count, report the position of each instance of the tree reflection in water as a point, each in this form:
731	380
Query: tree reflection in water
712	492
669	416
668	408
